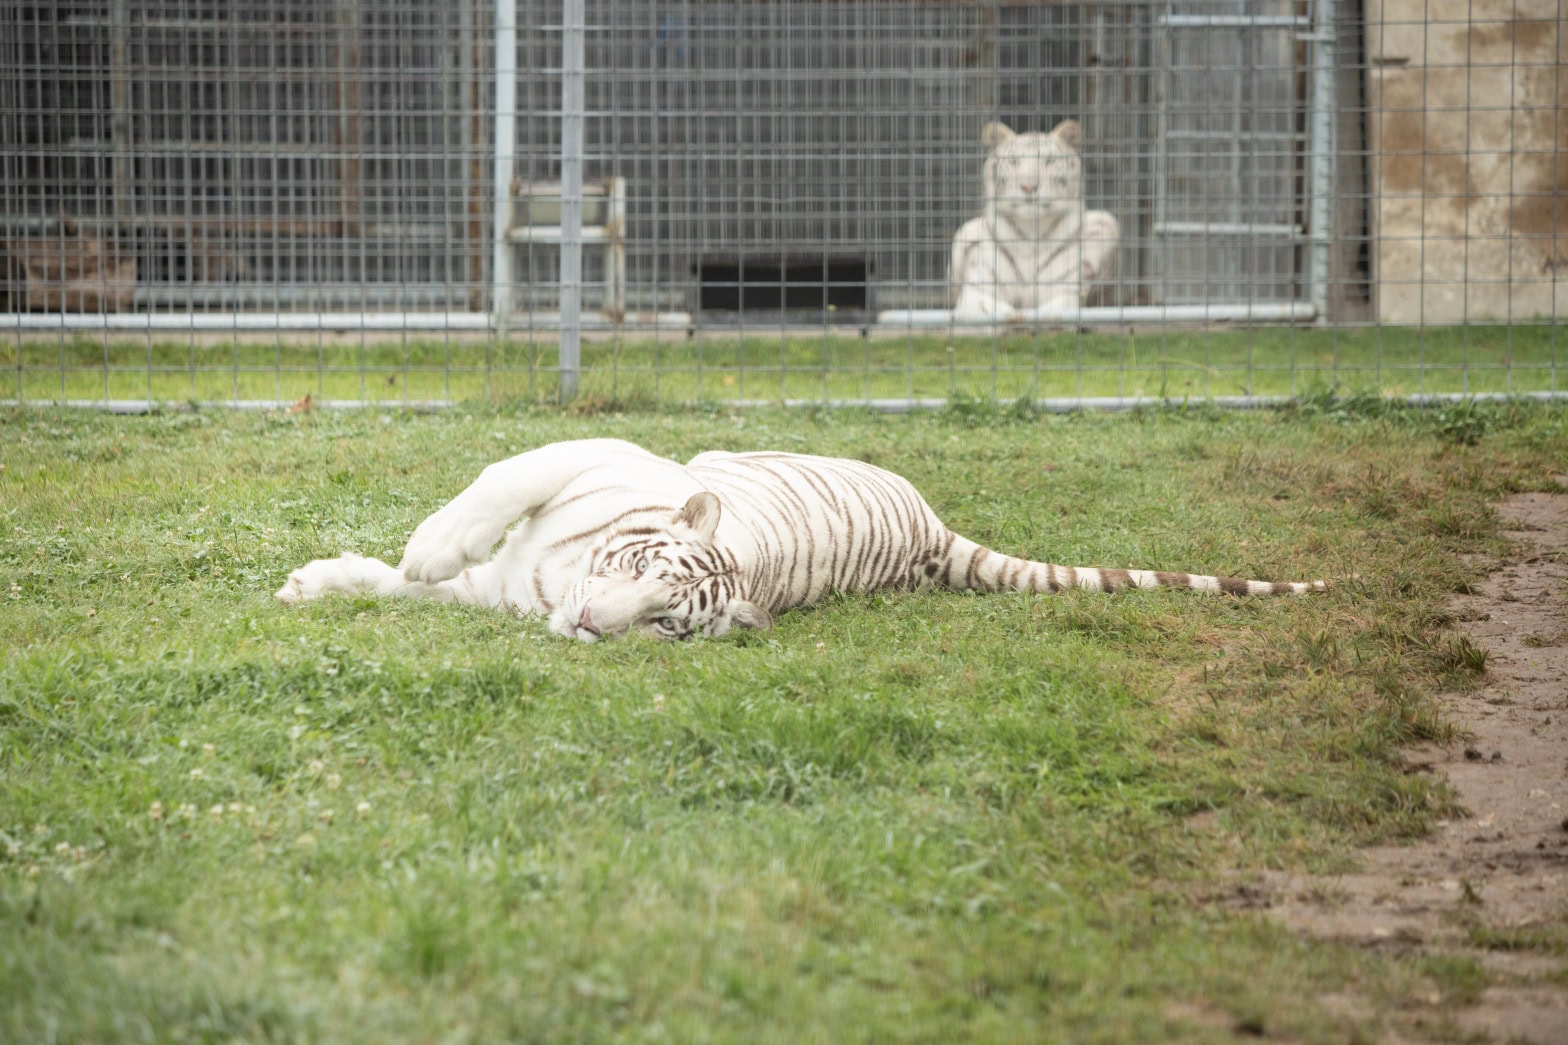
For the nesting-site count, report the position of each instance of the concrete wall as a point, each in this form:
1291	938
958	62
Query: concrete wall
1469	143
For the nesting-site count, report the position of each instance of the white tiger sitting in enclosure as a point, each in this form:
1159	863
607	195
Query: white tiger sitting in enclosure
1033	245
603	537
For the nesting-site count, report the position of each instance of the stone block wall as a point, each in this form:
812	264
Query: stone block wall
1469	159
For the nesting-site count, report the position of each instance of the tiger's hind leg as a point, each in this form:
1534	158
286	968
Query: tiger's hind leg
470	525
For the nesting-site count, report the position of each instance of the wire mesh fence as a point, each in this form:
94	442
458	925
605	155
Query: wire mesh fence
408	201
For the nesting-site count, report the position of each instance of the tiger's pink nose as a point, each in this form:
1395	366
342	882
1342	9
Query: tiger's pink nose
585	622
1028	189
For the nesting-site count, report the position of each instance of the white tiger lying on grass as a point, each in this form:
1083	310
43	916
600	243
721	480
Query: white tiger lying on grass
1033	245
614	539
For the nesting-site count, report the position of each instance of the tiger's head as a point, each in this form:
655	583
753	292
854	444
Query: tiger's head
669	583
1033	179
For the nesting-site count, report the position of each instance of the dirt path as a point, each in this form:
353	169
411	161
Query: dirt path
1501	873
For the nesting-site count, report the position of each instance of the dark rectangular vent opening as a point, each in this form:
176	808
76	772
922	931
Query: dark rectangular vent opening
775	284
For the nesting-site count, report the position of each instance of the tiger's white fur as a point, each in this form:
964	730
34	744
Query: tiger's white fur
603	537
1033	245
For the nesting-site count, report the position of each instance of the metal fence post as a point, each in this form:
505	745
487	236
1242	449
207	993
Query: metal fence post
572	105
505	146
1321	163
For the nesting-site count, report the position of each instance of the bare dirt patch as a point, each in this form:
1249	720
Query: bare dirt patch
1492	886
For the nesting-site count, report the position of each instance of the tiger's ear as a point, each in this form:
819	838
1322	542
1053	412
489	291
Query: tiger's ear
701	513
738	613
1068	132
995	133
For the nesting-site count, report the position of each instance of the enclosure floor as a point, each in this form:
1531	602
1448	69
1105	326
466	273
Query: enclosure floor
1502	866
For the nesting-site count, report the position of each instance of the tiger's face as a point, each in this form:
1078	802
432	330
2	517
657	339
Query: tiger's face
670	584
1032	178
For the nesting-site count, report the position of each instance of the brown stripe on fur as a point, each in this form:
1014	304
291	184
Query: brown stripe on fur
568	501
1234	586
538	585
974	561
1174	580
612	525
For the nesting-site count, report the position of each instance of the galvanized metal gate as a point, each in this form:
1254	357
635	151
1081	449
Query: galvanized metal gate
840	142
1240	114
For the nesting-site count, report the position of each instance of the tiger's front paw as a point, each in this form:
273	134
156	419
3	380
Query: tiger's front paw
974	307
315	579
446	543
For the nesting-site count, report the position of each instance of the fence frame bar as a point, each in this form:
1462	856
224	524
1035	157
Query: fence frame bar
1320	173
505	134
573	104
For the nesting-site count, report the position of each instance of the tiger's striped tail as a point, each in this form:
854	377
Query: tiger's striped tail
971	566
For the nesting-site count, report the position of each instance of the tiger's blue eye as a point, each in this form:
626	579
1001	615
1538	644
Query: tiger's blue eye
642	565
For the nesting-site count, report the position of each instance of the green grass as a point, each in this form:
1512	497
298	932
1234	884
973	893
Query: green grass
929	816
674	369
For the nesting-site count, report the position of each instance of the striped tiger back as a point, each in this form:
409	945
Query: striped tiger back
815	525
